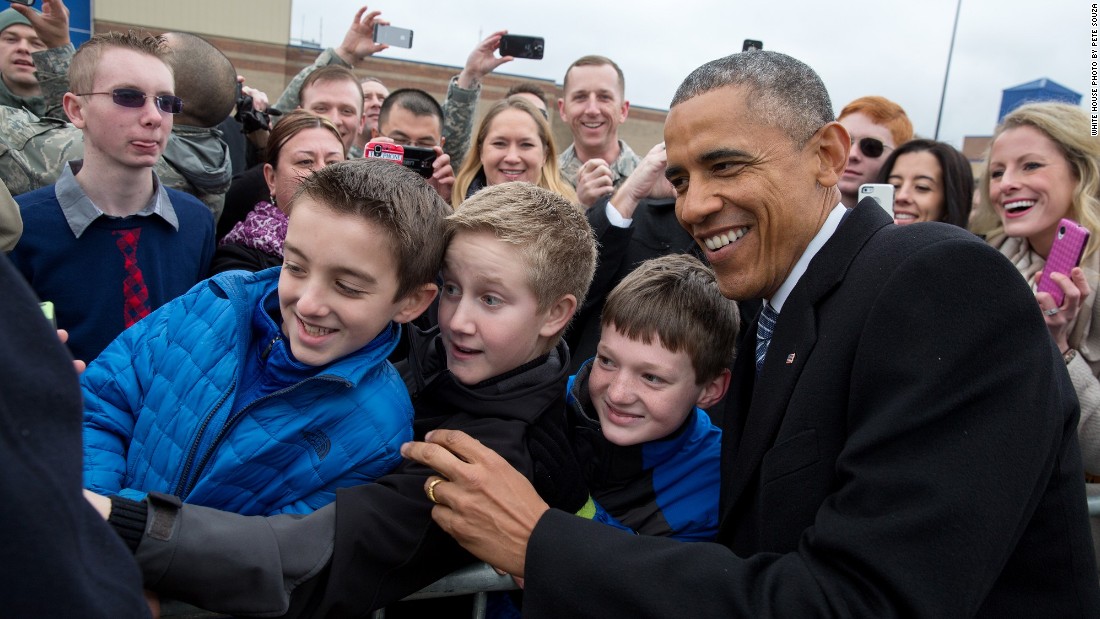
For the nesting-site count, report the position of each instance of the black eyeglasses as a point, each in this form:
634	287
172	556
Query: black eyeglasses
872	147
133	98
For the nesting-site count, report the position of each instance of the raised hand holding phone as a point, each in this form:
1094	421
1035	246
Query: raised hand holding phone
1069	245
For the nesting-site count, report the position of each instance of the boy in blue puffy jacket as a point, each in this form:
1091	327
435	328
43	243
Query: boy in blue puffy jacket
651	454
262	393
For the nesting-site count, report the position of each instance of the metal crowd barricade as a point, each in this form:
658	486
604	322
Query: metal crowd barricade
478	580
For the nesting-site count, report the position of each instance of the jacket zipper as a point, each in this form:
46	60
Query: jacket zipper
198	438
229	423
189	479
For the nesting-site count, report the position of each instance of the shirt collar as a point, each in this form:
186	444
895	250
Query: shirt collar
832	222
80	211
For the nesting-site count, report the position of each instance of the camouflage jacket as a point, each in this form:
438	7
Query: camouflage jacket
51	66
620	168
289	100
196	161
52	70
34	150
458	120
11	224
35	104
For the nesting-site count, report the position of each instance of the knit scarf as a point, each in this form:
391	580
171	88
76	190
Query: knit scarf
264	229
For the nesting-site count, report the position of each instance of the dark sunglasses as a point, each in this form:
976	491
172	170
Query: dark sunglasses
133	98
871	147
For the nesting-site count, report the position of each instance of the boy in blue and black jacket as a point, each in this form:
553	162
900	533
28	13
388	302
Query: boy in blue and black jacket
651	454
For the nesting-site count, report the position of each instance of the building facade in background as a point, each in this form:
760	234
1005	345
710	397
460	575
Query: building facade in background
255	35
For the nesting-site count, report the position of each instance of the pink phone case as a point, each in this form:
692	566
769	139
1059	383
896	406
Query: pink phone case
1065	253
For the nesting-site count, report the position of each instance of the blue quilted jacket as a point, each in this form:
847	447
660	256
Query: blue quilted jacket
151	397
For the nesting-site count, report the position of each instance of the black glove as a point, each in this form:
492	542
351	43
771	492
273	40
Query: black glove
558	476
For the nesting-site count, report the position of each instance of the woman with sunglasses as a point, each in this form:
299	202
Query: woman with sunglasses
876	125
1044	166
300	144
512	143
932	182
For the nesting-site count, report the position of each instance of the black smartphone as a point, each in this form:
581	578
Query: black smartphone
26	2
519	46
750	45
392	35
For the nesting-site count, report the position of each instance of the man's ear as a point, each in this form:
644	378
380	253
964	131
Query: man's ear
831	144
74	109
415	303
714	389
558	316
561	110
624	111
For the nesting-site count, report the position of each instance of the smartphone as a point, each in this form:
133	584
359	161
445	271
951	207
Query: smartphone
882	193
47	311
1065	253
26	2
751	44
519	46
391	35
416	158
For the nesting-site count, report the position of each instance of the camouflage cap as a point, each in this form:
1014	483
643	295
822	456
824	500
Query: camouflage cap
10	17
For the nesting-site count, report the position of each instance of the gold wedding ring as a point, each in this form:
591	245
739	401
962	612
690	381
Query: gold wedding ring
431	490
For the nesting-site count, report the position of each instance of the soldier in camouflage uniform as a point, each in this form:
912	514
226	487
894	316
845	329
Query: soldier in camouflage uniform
594	105
374	95
18	42
357	45
463	93
46	36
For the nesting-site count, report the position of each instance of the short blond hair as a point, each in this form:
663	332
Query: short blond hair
85	61
553	236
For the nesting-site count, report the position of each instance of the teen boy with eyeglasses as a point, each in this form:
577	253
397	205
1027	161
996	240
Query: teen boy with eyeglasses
876	125
109	243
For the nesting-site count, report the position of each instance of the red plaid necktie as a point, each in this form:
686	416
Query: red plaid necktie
135	296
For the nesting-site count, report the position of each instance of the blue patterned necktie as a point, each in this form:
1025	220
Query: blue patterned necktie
764	329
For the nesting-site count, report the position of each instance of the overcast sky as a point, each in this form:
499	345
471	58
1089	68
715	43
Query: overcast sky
893	48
